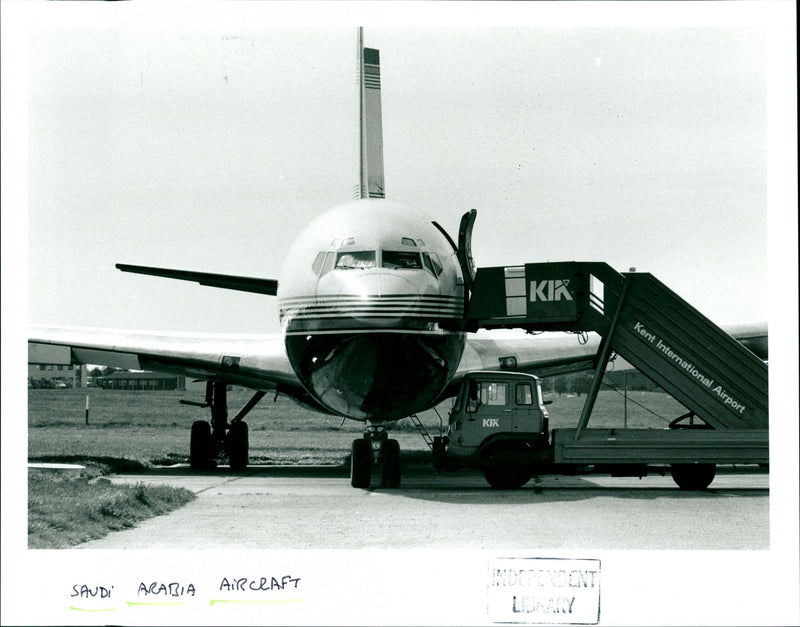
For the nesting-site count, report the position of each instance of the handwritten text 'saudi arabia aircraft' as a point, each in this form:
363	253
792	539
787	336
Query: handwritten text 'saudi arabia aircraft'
372	300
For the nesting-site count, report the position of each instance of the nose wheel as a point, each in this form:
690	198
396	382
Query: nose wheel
375	449
360	463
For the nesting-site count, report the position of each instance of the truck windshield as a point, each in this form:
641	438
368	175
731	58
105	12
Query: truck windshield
457	401
494	393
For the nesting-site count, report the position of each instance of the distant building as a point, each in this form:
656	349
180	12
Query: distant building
51	366
55	374
142	381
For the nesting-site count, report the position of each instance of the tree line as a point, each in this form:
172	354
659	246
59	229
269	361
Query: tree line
578	383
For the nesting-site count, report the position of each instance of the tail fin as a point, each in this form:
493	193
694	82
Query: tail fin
369	68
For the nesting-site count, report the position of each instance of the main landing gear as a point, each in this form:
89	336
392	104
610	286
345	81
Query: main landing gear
211	440
375	448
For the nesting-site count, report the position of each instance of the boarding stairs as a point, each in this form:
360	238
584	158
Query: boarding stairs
639	318
422	430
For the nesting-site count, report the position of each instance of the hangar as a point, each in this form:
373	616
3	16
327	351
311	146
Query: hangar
142	381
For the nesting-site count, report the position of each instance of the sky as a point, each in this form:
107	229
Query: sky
209	146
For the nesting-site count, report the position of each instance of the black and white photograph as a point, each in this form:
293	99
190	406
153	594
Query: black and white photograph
399	313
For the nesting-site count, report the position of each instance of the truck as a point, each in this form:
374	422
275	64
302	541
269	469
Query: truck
499	424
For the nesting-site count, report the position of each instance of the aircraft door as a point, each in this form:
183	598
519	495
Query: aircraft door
464	251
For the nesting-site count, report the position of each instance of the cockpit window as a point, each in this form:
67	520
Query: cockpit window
316	267
407	241
432	263
323	263
355	260
397	259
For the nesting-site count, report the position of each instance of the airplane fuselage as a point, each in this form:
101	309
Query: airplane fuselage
371	296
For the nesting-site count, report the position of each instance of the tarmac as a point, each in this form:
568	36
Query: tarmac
314	507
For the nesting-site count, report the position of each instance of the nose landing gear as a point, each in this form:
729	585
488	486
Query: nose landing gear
375	448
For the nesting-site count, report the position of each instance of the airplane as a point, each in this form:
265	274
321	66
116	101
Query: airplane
372	299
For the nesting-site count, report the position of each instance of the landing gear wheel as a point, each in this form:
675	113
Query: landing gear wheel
360	461
693	476
390	456
506	476
201	447
238	443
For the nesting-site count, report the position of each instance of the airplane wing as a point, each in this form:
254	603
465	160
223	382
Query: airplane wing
549	354
544	354
239	283
753	335
258	361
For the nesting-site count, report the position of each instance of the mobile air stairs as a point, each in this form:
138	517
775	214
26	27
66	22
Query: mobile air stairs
641	319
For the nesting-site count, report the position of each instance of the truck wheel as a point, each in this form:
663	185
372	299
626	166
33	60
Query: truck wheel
693	476
506	476
238	442
360	460
390	451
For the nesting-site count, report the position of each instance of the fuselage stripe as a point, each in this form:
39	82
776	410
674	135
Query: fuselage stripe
372	298
371	306
375	316
373	331
358	311
343	306
365	301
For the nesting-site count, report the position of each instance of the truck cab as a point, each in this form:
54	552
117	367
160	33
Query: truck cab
499	424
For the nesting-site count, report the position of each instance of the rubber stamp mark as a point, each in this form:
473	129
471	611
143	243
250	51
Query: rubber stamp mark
544	590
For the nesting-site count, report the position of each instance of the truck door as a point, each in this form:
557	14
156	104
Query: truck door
492	412
526	411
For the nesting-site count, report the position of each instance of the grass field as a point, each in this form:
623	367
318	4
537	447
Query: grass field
153	427
65	511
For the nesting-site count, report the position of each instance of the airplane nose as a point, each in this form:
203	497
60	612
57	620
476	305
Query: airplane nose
369	345
382	284
382	297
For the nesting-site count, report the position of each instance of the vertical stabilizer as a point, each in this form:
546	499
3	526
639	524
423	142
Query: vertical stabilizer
371	183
